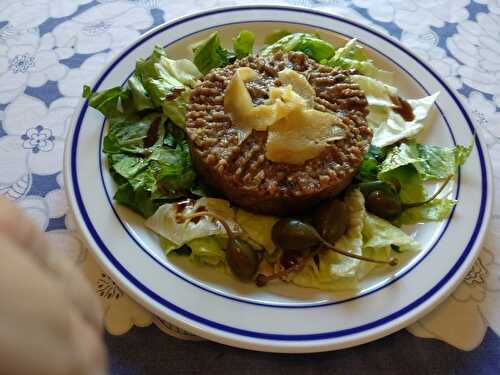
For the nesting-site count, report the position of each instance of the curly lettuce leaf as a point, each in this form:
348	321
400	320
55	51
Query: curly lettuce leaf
209	54
308	44
243	44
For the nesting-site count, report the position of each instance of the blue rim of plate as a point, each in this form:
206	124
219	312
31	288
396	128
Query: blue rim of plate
375	288
260	335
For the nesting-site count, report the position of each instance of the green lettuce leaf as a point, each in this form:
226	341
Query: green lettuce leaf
309	44
139	199
351	56
436	162
436	210
243	44
129	134
412	185
148	156
209	54
112	103
398	156
463	152
176	109
379	233
140	96
275	36
369	168
204	250
352	240
207	250
430	161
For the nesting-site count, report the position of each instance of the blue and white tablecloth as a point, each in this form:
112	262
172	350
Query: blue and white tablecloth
50	48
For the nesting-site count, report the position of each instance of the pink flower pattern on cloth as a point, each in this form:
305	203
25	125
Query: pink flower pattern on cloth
48	51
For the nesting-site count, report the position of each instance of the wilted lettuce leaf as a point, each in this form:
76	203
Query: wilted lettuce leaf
209	54
394	128
377	93
243	44
164	222
309	44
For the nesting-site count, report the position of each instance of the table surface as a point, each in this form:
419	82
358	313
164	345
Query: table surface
148	351
49	49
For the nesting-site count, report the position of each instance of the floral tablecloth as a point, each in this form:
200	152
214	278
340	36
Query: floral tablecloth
49	49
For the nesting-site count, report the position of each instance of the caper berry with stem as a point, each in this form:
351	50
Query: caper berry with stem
240	256
293	234
242	259
388	205
287	233
331	220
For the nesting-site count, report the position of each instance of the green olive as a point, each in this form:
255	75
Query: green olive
383	204
292	234
331	220
242	259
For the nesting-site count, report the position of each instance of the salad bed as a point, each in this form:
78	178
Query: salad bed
331	246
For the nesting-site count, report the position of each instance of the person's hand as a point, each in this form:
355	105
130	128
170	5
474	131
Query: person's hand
50	320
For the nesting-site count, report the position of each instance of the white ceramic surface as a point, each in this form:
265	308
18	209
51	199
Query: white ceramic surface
281	317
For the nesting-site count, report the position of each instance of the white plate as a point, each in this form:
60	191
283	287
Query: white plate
279	318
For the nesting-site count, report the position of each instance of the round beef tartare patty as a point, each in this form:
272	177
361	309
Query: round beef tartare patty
242	172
